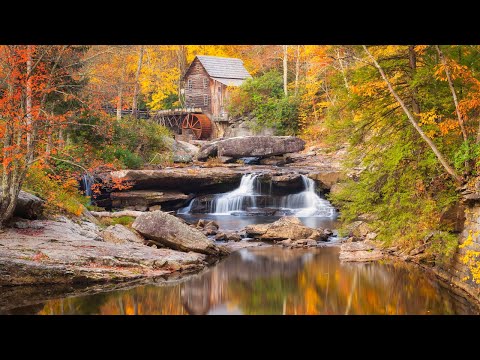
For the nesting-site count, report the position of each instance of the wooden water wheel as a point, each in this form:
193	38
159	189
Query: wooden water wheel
199	124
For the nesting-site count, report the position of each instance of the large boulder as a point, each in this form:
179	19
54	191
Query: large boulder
174	233
287	227
119	234
183	152
248	146
148	198
186	180
28	206
207	150
326	179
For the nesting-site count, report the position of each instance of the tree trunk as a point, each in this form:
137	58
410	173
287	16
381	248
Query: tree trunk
182	66
137	83
342	68
120	93
410	117
61	141
454	94
285	69
478	133
412	59
28	102
297	70
119	103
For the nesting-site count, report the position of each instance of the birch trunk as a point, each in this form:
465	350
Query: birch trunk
297	70
137	83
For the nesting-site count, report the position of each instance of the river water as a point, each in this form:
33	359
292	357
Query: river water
273	280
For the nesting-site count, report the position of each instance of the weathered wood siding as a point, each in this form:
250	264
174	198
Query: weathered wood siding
219	92
195	97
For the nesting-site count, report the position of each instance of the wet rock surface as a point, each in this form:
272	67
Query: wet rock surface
174	233
119	234
361	251
287	227
186	180
62	251
149	198
251	146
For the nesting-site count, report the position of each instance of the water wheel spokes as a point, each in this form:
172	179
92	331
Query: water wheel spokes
199	124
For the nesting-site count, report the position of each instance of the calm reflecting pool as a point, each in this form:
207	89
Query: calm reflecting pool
273	280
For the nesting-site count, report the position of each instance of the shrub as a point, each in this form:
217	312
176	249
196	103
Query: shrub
263	97
61	195
123	220
128	143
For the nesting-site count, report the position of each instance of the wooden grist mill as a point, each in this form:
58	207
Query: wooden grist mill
197	124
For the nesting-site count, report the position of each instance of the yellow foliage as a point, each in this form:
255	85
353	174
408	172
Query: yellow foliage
471	257
428	117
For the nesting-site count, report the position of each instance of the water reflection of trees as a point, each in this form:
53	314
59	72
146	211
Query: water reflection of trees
276	281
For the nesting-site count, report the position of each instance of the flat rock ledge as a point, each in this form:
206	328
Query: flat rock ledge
360	251
64	252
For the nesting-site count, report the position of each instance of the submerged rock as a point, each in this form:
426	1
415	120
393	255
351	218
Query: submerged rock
287	227
174	233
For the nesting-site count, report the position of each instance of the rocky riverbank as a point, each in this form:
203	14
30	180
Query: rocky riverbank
62	251
362	248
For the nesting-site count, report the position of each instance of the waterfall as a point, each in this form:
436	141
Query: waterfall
187	209
235	200
250	198
86	183
307	202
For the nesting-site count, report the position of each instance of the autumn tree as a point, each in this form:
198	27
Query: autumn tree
38	86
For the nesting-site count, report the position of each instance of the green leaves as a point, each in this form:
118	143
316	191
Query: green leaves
264	99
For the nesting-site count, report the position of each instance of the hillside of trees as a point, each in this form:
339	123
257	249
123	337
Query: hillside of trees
409	114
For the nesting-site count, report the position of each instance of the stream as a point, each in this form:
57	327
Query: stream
273	280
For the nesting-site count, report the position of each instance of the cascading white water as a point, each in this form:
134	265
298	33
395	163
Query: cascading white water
87	182
187	209
235	200
249	197
308	203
